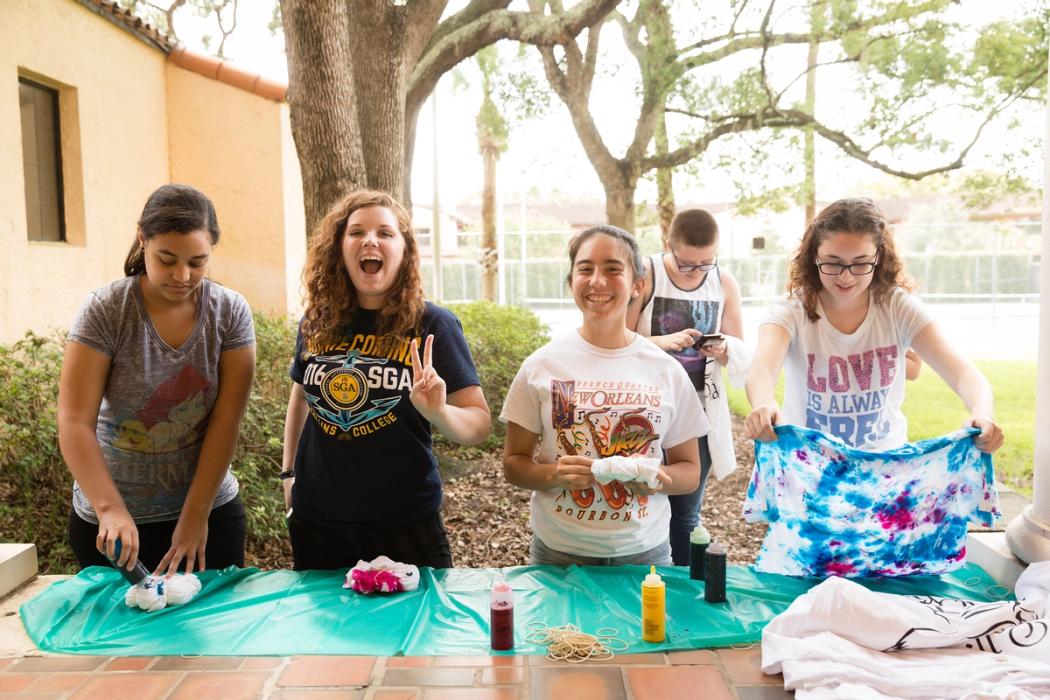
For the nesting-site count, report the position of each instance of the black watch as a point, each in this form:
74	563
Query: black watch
287	474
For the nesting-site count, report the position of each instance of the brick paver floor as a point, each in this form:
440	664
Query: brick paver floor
721	674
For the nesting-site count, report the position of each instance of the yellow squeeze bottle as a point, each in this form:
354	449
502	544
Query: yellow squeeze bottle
654	613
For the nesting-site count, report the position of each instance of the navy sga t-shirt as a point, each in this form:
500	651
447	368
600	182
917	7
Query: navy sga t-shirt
364	455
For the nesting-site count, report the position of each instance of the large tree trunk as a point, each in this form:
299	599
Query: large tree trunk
377	43
619	203
664	184
359	71
488	255
322	103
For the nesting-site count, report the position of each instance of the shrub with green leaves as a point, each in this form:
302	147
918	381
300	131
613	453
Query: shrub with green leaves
257	461
500	338
36	488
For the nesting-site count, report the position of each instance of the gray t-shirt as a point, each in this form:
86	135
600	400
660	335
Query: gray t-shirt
157	400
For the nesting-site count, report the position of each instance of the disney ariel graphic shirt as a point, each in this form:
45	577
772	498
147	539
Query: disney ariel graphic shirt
585	400
364	455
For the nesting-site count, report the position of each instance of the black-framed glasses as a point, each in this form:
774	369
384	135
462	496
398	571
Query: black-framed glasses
833	269
690	267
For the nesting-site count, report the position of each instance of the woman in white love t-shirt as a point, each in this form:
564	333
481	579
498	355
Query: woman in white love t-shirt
842	335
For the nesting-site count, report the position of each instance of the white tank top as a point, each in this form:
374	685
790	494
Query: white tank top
671	309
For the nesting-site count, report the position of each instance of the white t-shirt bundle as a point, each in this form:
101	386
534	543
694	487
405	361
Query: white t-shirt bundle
841	640
850	385
585	400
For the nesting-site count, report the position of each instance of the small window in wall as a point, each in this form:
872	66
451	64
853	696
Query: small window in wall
42	161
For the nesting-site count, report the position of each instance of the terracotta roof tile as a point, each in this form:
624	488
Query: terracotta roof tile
225	72
127	20
209	66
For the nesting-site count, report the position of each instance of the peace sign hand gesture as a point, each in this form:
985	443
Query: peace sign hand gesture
428	389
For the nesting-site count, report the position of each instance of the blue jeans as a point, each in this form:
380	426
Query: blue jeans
685	510
540	553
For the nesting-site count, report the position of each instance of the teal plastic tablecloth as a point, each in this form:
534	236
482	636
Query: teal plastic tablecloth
250	612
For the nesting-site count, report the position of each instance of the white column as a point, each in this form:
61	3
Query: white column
1029	533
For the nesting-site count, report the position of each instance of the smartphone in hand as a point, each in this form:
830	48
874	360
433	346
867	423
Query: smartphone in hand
709	339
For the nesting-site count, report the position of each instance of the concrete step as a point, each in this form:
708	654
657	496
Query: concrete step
17	566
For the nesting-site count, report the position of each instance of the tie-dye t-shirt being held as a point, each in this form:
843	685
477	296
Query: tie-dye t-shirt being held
837	511
850	385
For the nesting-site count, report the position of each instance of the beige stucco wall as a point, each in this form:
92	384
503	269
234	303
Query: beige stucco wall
117	86
234	146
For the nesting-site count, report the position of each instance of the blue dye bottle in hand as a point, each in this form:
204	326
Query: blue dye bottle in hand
136	575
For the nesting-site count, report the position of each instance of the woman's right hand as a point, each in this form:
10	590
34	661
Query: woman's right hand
113	525
759	423
573	472
677	342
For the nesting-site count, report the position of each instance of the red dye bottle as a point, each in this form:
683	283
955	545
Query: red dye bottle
501	616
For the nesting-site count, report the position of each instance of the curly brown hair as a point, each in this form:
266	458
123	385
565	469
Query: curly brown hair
331	299
856	216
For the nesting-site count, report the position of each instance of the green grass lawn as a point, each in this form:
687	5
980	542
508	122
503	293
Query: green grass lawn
934	409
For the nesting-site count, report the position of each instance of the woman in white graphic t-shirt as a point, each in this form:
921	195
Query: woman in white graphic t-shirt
842	336
602	391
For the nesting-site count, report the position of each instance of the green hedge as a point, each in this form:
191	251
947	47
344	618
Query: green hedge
36	486
500	338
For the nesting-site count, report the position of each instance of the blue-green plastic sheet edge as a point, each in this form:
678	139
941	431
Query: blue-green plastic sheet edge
247	612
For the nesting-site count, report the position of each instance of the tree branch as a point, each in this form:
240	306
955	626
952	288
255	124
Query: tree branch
222	27
757	39
488	28
423	16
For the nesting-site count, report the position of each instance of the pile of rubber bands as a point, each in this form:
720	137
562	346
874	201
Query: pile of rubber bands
997	591
568	643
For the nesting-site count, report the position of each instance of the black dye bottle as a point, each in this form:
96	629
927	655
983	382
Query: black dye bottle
715	574
136	575
699	538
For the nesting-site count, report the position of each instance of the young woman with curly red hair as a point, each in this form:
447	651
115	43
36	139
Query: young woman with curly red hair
842	335
360	479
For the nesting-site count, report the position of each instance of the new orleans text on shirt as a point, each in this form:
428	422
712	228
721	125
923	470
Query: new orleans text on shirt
604	419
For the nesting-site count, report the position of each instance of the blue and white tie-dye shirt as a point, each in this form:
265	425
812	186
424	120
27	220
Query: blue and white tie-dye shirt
834	510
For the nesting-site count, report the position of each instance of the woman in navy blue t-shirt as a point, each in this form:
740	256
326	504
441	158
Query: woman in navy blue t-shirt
375	367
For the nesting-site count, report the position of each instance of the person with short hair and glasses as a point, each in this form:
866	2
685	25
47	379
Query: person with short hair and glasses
842	336
690	308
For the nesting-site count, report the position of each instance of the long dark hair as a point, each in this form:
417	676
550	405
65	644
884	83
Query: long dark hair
330	295
171	209
856	216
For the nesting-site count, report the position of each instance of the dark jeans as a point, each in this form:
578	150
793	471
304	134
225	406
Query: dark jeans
685	510
227	528
423	543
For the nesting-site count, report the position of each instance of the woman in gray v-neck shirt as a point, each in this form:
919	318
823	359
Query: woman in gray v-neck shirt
155	380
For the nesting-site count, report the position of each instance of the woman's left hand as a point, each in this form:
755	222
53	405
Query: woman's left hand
428	388
718	352
991	436
641	488
187	542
